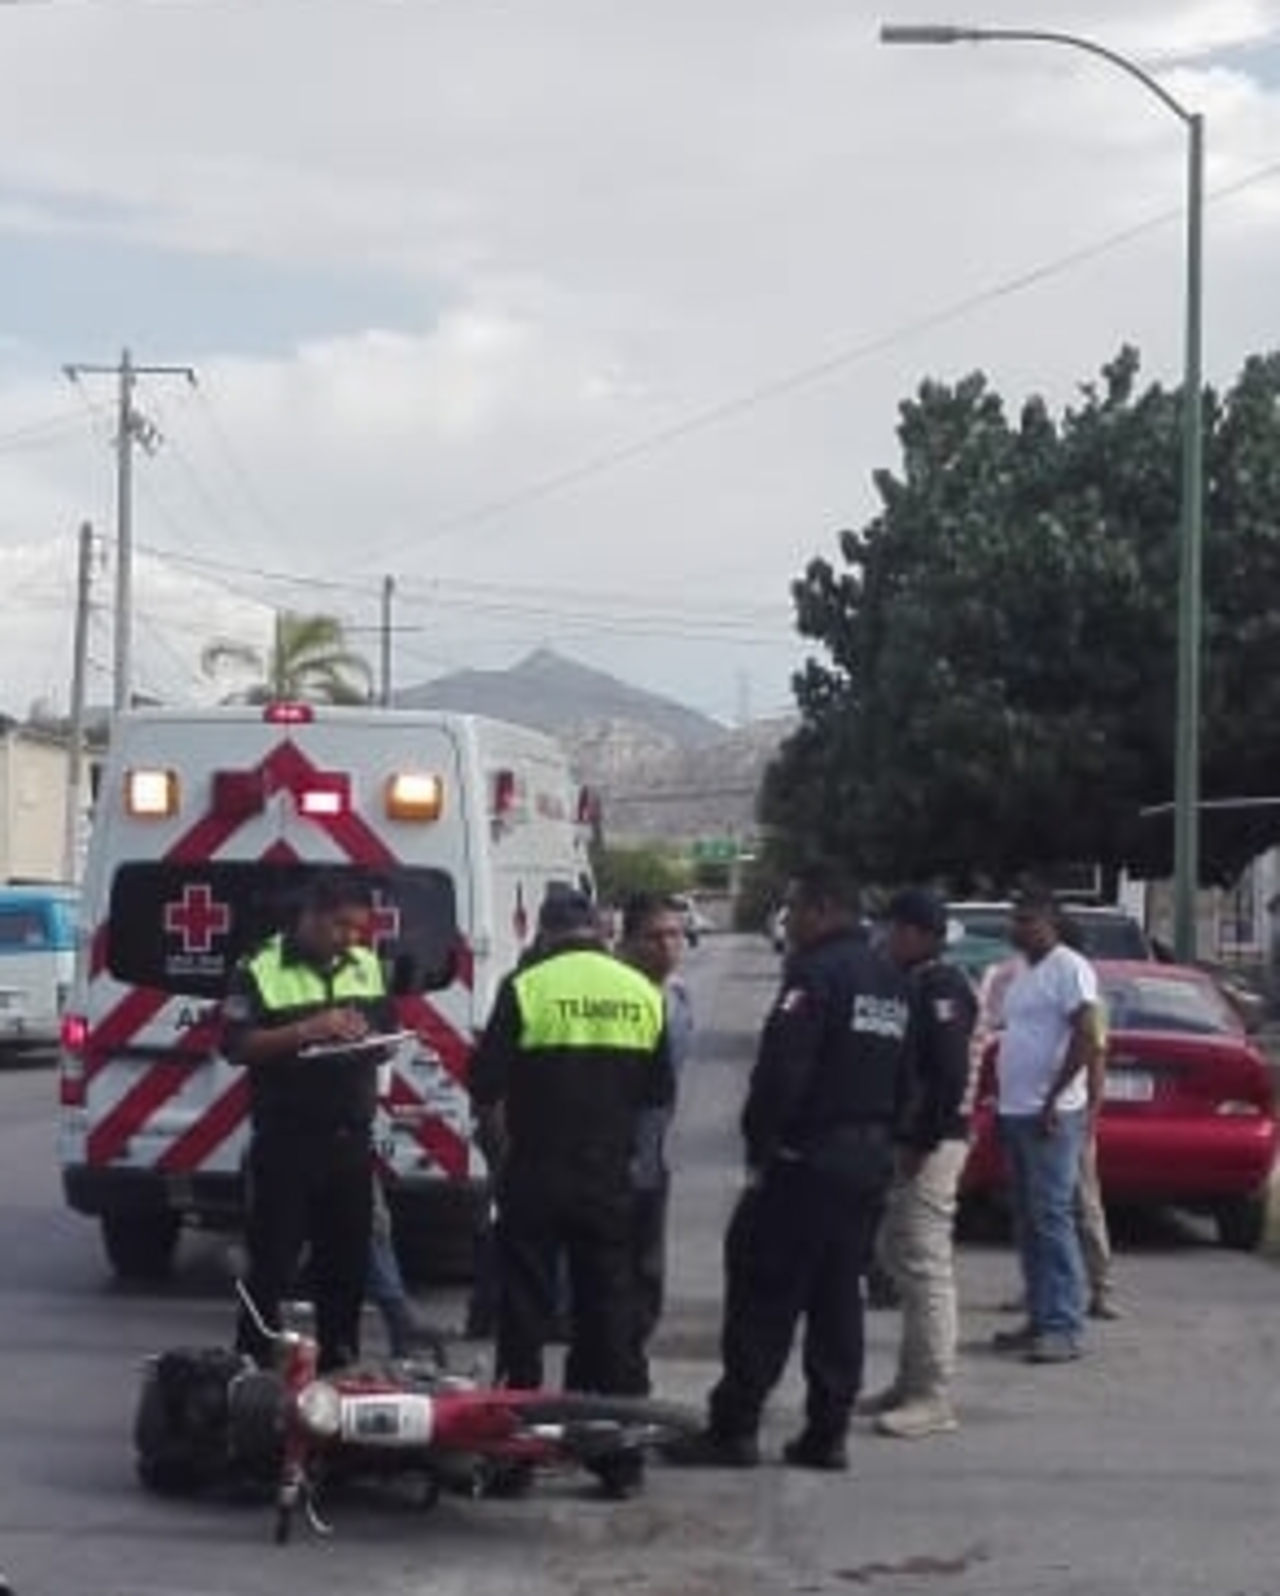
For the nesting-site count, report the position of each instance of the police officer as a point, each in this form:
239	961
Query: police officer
309	1173
573	1053
917	1238
831	1080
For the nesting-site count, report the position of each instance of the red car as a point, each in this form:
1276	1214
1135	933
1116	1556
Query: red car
1189	1117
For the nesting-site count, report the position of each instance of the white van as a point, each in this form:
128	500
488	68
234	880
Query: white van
208	826
37	960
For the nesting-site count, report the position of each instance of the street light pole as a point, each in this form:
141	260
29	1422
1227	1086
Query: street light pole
1186	792
1186	805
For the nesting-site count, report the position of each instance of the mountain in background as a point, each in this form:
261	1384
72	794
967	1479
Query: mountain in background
663	770
559	695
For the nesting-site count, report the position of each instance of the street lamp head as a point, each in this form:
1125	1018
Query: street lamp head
927	33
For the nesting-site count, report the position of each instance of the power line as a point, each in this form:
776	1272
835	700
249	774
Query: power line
244	479
36	433
670	621
805	376
153	625
432	590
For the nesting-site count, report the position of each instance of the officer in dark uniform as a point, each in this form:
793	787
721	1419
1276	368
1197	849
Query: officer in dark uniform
917	1236
575	1050
831	1083
309	1175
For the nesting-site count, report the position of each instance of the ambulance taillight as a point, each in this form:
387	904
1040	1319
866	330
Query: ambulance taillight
414	795
72	1079
151	794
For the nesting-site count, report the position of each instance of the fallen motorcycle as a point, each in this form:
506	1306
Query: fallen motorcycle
208	1419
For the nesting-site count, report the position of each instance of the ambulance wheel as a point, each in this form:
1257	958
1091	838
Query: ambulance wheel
140	1246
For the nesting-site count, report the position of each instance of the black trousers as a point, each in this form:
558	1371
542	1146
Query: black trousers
312	1191
649	1251
797	1247
542	1218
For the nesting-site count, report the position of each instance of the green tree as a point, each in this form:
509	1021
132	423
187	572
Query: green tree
308	659
998	688
619	872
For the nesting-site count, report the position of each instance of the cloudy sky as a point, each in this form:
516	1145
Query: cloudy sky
586	319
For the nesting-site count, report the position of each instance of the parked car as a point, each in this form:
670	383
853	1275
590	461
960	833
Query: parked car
37	960
1106	932
1189	1115
696	924
1244	993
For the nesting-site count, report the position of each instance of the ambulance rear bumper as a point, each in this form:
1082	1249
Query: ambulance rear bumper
212	1201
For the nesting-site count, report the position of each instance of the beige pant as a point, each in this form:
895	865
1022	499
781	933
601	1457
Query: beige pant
917	1247
1091	1222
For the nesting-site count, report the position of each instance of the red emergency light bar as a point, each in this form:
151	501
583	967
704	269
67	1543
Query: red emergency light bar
288	714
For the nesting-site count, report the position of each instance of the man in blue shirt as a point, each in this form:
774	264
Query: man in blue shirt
652	941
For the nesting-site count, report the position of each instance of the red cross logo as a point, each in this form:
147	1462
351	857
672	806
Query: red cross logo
384	922
197	918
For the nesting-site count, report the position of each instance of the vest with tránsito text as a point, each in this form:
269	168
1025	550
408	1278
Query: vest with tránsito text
304	1094
587	999
592	1057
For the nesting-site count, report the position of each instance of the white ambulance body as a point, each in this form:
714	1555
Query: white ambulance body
208	825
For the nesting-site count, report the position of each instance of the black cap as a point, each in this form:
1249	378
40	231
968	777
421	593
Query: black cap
918	907
562	913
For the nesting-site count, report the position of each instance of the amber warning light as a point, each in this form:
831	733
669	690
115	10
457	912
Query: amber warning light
151	794
415	795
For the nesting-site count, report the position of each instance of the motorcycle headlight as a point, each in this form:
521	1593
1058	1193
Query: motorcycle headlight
320	1408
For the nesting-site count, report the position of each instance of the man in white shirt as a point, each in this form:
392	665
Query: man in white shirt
1042	1068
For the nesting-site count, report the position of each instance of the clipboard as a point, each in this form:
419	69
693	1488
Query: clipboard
366	1044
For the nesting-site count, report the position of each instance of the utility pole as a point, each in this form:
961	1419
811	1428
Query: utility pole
388	594
75	752
131	427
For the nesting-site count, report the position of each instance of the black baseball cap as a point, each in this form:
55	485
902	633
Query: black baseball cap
918	907
564	912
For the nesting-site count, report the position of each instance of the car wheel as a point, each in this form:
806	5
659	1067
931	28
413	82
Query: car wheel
1242	1222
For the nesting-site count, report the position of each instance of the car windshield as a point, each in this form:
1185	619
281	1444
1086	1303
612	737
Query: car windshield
1165	1003
1111	936
22	930
990	920
1102	935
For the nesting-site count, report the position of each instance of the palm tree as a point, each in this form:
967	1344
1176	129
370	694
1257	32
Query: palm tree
309	659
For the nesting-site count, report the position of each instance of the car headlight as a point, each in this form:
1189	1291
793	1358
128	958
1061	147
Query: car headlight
320	1408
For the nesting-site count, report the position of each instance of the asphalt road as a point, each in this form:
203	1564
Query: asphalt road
1151	1467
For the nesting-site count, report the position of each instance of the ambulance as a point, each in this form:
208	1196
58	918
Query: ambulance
207	827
